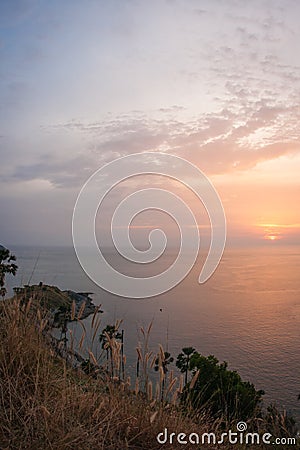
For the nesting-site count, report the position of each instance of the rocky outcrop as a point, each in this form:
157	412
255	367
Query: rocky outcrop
58	303
81	298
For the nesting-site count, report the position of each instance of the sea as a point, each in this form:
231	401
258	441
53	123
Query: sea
247	313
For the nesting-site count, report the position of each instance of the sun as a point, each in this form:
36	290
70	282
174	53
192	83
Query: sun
272	231
271	237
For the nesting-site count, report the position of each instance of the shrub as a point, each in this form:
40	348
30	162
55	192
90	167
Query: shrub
220	391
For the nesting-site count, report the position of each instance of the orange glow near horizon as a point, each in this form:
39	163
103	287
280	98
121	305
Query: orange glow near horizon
271	237
273	231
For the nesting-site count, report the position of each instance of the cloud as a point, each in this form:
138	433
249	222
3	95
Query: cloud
67	173
220	143
249	85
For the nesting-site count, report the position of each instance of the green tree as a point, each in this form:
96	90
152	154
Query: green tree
183	361
220	391
6	266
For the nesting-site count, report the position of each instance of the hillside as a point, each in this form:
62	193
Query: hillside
46	404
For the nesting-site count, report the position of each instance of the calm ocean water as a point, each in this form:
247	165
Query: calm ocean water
248	313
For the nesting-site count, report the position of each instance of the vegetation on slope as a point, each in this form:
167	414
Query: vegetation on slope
47	402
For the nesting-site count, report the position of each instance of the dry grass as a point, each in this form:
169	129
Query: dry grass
44	404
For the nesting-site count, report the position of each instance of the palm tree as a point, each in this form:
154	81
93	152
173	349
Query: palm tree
110	334
183	361
6	266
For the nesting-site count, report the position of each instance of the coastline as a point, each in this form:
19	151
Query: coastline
63	305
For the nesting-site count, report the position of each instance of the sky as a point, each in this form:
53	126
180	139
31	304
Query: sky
84	82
